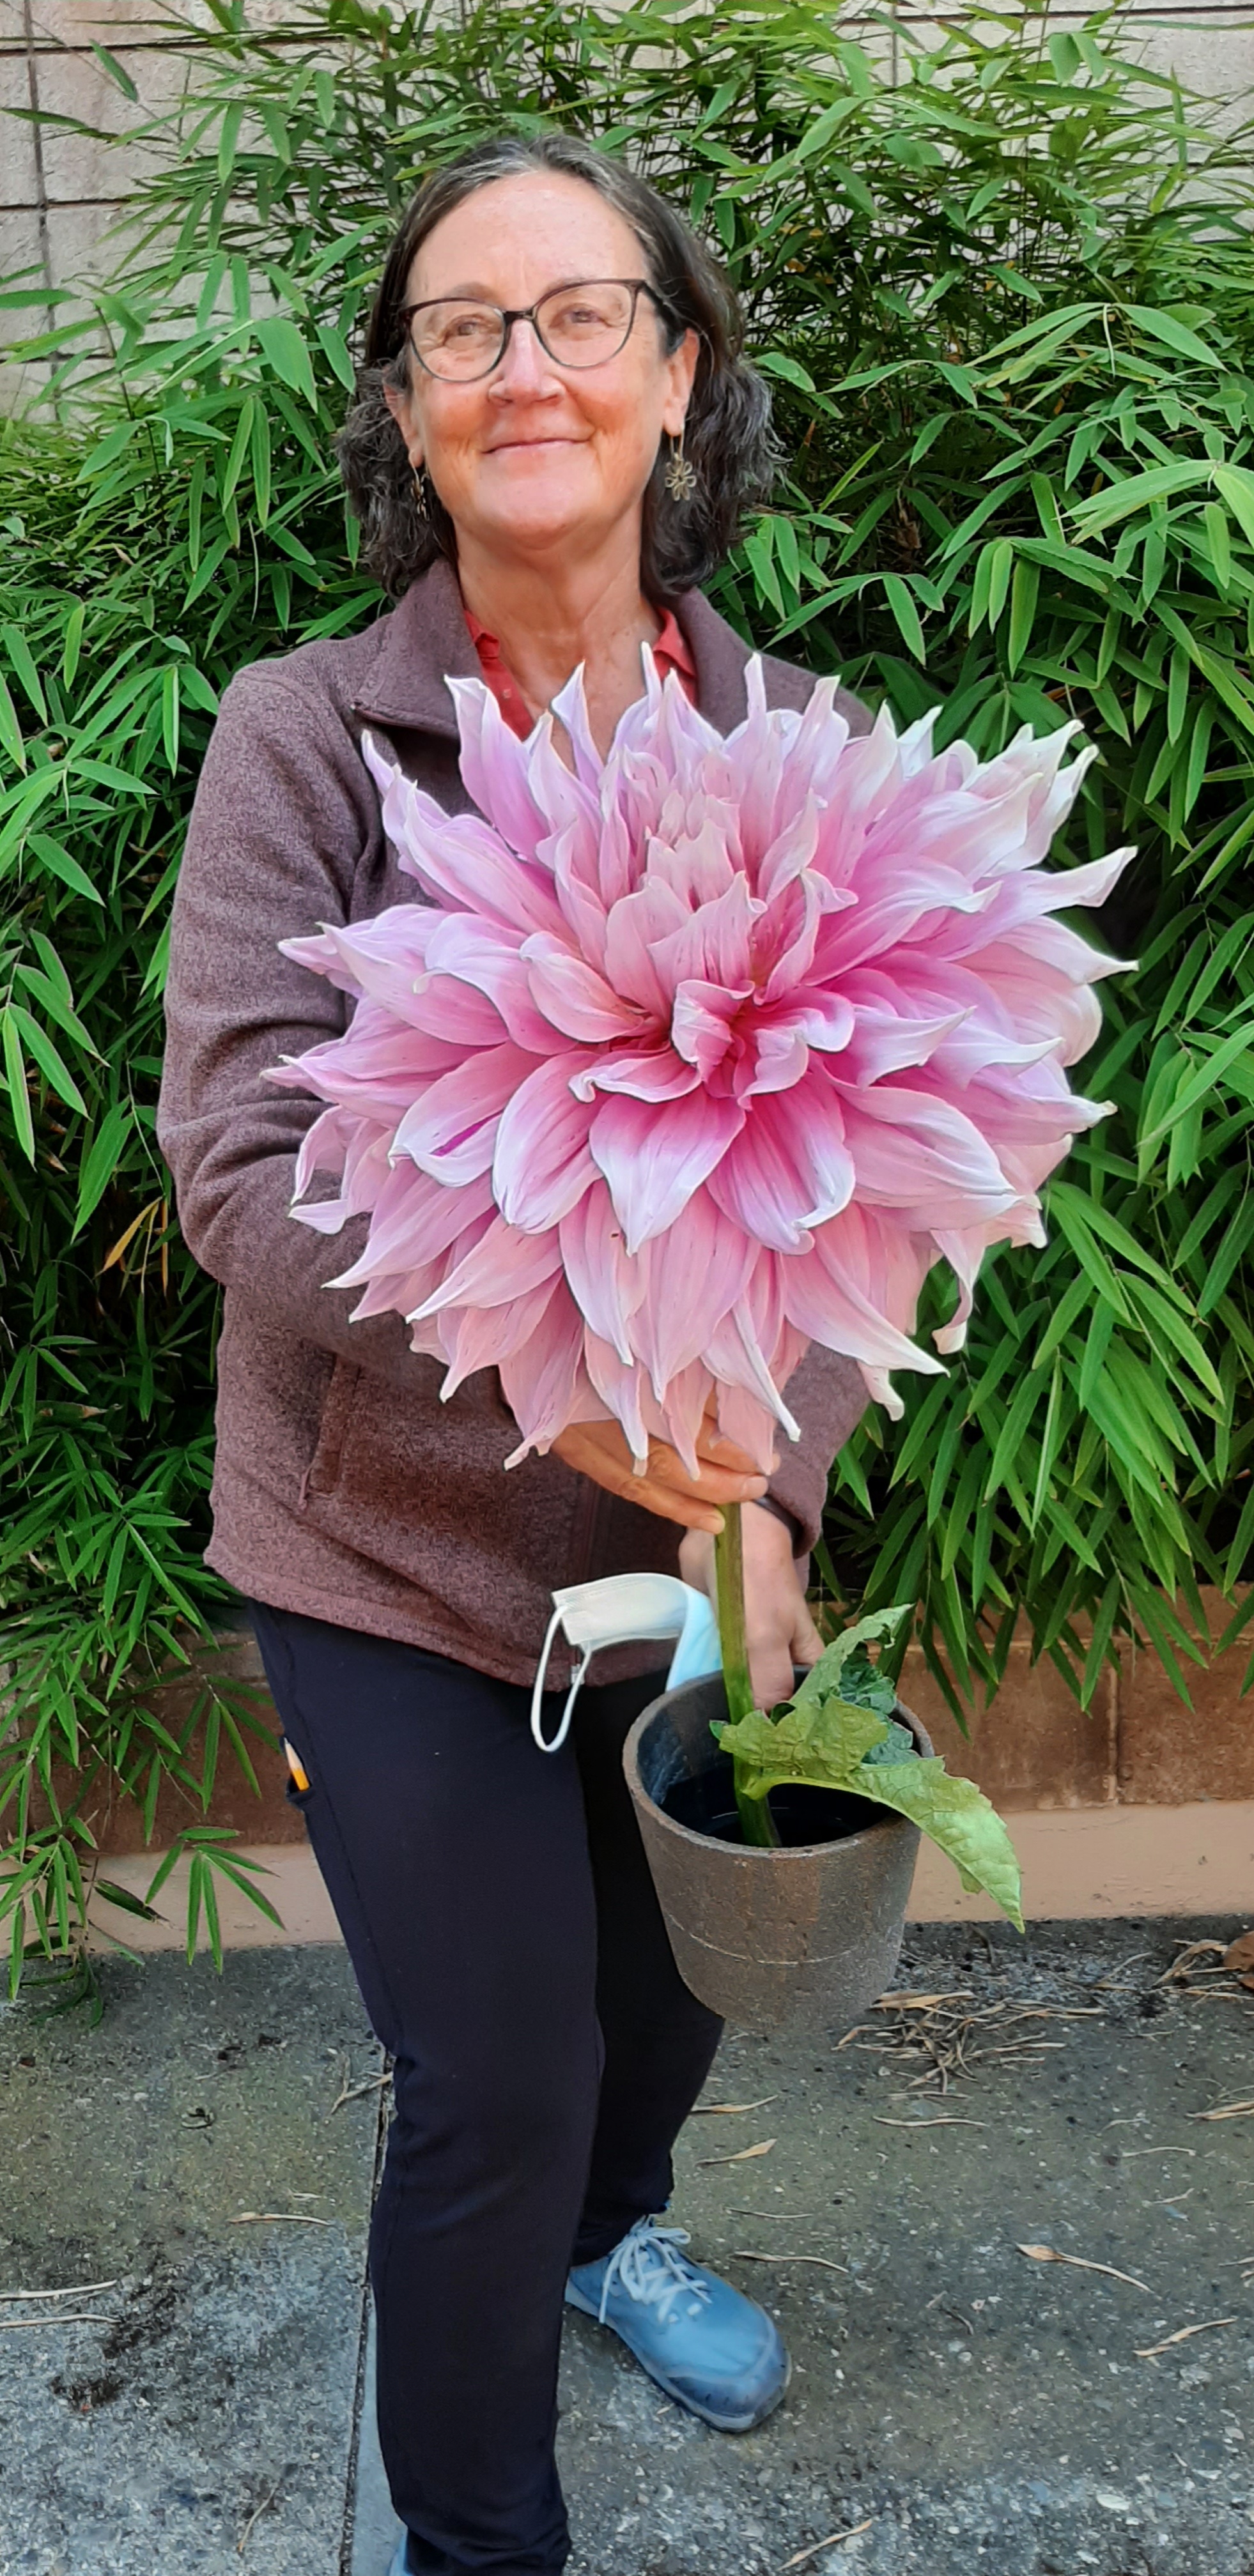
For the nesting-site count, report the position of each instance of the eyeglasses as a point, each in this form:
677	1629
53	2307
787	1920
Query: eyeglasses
459	340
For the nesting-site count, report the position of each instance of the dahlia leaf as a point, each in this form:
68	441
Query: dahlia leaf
955	1814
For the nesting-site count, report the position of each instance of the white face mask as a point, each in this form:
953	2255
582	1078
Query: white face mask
612	1612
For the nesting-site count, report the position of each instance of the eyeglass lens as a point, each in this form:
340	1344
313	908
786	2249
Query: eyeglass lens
580	326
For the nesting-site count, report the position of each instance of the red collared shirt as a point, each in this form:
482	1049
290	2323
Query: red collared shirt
670	653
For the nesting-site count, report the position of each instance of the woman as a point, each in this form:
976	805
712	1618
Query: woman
554	439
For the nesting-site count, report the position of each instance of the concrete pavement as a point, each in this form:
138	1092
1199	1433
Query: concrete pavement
956	2404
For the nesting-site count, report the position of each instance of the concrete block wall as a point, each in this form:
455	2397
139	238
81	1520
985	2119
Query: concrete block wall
60	192
1139	1807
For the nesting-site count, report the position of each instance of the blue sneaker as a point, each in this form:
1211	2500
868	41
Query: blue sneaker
715	2352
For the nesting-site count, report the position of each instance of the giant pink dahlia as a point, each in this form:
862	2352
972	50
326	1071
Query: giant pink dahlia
700	1053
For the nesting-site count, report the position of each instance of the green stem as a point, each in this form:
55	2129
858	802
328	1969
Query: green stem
756	1821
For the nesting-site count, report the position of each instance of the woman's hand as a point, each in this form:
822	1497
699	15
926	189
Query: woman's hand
725	1473
778	1627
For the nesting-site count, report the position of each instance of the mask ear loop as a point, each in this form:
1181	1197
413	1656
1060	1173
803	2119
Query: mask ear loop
555	1743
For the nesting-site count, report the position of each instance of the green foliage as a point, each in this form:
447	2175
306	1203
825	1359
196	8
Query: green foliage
1001	282
838	1732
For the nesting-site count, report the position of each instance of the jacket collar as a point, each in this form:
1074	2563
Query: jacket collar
425	640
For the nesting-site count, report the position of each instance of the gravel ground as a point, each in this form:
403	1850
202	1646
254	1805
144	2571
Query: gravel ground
224	2369
972	2407
956	2405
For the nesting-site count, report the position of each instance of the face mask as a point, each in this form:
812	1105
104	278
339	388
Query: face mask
614	1611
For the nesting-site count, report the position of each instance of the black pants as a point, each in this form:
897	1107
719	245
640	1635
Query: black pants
512	1957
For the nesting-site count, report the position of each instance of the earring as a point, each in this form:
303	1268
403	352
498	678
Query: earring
420	492
680	477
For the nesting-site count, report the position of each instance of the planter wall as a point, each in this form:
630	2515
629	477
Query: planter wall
1033	1749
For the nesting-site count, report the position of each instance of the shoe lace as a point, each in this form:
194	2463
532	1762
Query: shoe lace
649	2267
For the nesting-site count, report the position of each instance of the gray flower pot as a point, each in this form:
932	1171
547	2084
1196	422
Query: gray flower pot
807	1935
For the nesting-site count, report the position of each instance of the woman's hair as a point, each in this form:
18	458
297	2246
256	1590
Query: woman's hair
727	437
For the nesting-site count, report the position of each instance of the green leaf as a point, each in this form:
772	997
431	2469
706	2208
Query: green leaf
906	616
23	662
826	1743
60	864
51	1064
776	362
879	1627
1235	484
1136	492
285	348
817	1742
1001	565
101	1161
1173	335
15	1077
1215	521
115	71
1023	598
123	1896
957	1816
10	729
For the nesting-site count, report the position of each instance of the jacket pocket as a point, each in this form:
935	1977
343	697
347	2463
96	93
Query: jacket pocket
323	1472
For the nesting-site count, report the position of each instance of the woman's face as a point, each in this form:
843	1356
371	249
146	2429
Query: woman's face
536	456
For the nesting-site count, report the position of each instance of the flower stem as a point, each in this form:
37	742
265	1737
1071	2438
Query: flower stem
756	1821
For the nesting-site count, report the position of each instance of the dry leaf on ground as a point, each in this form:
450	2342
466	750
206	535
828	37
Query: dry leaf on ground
1240	1953
15	2325
743	2156
73	2290
730	2110
1080	2263
833	2541
1147	2351
264	2217
946	2120
742	2254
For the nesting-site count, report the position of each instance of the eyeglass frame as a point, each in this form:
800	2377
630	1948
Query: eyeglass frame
527	313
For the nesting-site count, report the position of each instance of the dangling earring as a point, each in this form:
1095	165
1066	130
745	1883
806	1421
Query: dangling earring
680	477
420	492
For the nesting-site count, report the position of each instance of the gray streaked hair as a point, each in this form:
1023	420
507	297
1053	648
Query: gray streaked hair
727	437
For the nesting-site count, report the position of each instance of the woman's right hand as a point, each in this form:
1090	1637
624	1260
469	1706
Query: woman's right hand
726	1474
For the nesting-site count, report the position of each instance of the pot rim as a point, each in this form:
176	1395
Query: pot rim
775	1853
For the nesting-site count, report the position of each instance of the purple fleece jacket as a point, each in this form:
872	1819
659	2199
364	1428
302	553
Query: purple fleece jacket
343	1487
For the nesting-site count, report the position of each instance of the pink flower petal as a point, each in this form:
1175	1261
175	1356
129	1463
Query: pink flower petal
544	1383
655	1154
697	1271
494	768
622	1385
606	1286
485	1336
789	1168
644	1072
703	1022
910	1150
713	945
415	1220
488	958
542	1166
503	1264
383	957
632	932
450	1131
575	999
